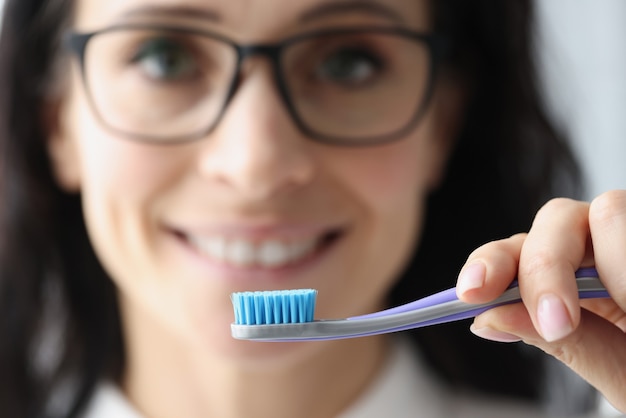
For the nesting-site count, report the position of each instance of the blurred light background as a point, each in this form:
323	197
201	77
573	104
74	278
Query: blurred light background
583	58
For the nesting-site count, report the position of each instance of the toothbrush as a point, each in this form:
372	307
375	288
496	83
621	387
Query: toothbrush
288	315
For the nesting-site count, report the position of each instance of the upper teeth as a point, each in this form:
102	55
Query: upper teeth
244	253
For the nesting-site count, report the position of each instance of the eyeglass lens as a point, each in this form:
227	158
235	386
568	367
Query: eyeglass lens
165	84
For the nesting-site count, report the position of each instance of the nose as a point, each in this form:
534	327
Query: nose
256	150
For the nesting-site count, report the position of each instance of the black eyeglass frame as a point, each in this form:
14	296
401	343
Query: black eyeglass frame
77	43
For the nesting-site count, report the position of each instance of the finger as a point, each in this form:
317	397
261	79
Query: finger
489	270
508	323
595	350
607	222
555	247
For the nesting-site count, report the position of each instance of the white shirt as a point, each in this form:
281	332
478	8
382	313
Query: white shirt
404	389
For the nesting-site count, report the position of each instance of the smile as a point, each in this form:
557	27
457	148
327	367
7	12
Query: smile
266	253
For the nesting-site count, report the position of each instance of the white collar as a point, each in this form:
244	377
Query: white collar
108	402
403	387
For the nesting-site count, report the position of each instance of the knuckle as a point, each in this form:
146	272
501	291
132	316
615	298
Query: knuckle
567	350
519	236
607	208
561	208
498	248
481	251
556	205
538	263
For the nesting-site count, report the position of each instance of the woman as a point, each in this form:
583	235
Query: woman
152	165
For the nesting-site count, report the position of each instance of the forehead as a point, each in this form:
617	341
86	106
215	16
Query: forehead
254	18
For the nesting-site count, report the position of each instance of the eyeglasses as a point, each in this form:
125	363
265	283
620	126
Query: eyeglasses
170	84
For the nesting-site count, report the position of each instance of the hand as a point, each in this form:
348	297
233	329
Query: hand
565	236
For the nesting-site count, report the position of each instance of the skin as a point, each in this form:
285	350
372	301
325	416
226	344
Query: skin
175	303
589	336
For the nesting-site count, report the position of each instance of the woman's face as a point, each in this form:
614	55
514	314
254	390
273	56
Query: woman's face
255	204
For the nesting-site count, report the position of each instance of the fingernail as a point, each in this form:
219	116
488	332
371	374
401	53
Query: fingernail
554	319
472	277
494	335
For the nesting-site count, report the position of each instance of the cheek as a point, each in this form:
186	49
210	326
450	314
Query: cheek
117	190
121	184
120	172
395	179
389	184
112	165
392	179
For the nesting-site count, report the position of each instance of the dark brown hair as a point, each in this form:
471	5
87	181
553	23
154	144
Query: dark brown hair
508	160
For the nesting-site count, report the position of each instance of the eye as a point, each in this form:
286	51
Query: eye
164	59
350	66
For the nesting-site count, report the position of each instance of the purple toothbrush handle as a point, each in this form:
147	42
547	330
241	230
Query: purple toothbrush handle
449	295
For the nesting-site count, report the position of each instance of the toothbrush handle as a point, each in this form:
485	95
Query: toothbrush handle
588	284
449	295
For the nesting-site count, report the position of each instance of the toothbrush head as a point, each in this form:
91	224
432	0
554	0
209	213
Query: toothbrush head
274	307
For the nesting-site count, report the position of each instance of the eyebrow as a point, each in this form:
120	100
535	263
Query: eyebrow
331	8
173	11
352	6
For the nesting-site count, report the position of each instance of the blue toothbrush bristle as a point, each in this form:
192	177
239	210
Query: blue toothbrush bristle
274	307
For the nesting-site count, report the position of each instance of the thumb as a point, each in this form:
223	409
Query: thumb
596	349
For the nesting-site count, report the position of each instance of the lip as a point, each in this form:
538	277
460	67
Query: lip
327	238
